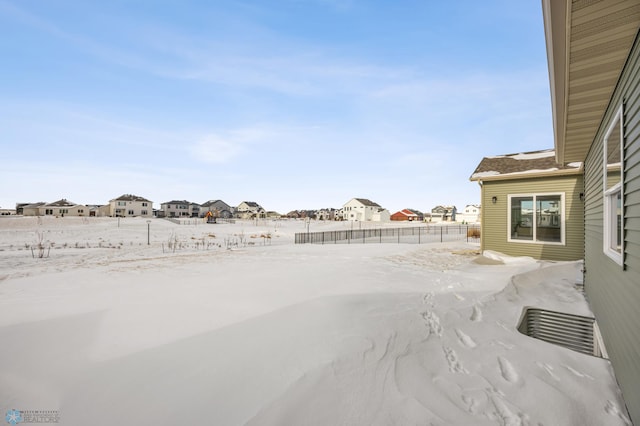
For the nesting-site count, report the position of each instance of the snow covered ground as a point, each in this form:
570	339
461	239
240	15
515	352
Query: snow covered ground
106	329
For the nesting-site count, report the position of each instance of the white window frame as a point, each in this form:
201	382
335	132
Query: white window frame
562	241
609	202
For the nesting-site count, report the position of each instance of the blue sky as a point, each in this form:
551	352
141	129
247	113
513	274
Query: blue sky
294	104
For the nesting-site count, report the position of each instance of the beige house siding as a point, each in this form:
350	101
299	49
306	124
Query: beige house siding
495	227
129	208
614	290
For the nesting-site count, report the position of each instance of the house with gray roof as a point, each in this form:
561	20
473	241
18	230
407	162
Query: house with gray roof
532	205
60	208
443	214
179	209
127	205
217	208
250	210
362	210
29	209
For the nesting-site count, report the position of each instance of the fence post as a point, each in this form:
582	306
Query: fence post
441	234
467	233
418	235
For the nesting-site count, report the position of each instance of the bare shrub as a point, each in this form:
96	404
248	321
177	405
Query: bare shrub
41	248
473	232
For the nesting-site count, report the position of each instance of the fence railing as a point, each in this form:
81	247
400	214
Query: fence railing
408	235
197	221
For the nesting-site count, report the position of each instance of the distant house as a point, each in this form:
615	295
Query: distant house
532	205
180	209
471	214
250	210
443	214
64	207
326	214
29	209
217	208
293	214
58	208
94	209
407	215
127	205
302	214
361	209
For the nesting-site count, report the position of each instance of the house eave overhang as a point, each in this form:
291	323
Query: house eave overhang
528	175
587	46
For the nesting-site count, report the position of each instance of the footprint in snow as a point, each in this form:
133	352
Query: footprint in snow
432	321
476	315
465	339
427	298
508	371
505	414
452	359
472	404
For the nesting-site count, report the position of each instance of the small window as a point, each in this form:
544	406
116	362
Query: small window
613	199
536	218
130	213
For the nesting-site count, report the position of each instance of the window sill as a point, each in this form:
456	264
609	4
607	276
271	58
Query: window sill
614	255
547	243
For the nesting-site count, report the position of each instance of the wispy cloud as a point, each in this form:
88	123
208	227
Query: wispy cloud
215	149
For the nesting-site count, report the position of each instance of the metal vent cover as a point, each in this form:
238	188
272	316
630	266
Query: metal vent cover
574	332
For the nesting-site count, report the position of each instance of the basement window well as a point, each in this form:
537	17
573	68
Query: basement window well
575	332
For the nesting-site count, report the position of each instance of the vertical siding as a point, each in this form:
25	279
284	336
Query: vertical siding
614	291
494	217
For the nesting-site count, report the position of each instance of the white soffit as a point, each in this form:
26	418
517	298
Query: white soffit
598	35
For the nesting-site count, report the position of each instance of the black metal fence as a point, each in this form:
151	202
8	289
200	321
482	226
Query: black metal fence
408	235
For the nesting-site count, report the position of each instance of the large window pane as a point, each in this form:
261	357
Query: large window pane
615	203
536	218
612	156
613	189
548	218
522	218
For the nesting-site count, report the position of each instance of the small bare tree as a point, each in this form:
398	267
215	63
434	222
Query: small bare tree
41	249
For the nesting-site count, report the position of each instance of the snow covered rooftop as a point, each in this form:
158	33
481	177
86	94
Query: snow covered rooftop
522	165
